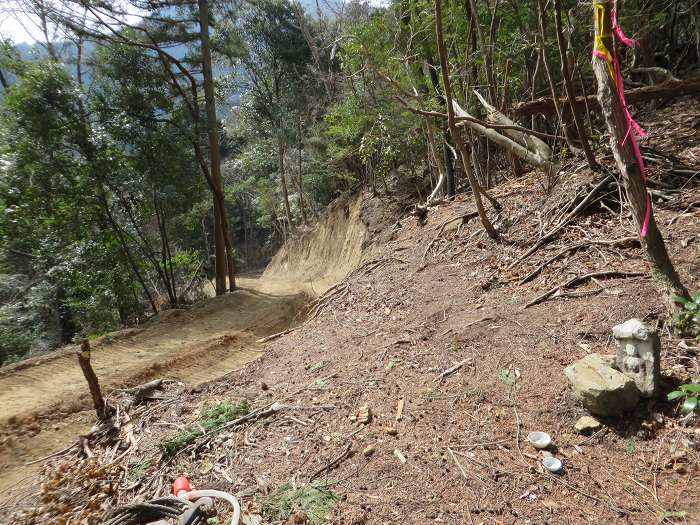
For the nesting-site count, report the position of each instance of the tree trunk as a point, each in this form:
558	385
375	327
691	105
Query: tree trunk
569	88
548	71
91	378
283	183
466	161
224	246
625	150
300	183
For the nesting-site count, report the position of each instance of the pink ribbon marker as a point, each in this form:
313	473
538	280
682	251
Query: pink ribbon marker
634	130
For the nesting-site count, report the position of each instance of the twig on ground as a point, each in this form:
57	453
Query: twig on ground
466	217
461	469
480	320
453	369
333	463
278	334
54	454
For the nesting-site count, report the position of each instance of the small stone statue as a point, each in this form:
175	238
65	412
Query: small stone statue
638	355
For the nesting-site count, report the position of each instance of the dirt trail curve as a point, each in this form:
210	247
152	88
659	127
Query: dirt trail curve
45	402
194	346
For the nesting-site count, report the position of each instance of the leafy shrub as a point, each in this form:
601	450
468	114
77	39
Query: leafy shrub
688	393
688	319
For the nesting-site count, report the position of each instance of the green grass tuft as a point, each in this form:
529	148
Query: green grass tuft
215	419
314	499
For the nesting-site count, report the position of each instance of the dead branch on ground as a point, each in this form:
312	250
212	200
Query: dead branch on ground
580	279
554	231
617	243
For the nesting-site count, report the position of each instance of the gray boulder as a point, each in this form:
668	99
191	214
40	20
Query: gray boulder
603	390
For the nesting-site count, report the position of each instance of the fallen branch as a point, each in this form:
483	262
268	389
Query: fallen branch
620	243
333	463
666	90
140	392
578	209
453	369
580	279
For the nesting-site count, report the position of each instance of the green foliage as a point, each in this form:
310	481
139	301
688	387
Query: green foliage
507	376
688	394
688	318
216	417
138	470
672	516
630	446
315	500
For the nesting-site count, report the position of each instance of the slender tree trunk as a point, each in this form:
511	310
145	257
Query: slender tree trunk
127	253
466	161
622	143
486	50
548	70
505	102
569	87
300	183
450	185
224	246
283	183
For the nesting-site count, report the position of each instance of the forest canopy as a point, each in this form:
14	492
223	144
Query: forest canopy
143	163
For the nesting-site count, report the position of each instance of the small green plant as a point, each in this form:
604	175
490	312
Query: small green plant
688	393
138	470
508	377
688	319
215	419
673	515
630	446
315	500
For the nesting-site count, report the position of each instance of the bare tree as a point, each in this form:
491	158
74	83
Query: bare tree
454	131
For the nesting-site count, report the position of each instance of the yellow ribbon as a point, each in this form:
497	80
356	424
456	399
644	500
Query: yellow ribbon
599	48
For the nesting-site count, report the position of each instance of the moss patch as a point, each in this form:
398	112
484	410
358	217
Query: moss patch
315	500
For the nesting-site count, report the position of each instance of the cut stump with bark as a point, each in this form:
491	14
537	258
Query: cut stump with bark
98	401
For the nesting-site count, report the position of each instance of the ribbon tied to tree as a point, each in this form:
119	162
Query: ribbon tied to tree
611	59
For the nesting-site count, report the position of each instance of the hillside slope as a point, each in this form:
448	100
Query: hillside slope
433	336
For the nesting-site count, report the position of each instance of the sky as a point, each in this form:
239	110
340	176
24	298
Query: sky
21	27
17	26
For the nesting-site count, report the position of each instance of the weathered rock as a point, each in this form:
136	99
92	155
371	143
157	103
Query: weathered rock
392	431
603	390
587	425
638	355
364	415
368	451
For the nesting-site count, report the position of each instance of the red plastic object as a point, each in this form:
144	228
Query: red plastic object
181	485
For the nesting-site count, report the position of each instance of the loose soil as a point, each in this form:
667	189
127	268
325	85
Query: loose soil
458	453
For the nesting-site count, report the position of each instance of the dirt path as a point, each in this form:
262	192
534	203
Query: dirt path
44	401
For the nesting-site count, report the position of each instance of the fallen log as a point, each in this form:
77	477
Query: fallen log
666	90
